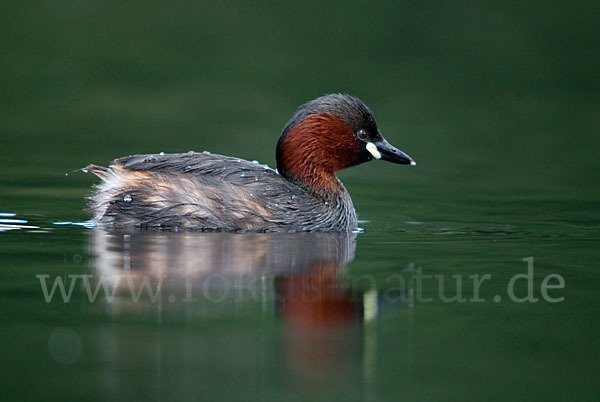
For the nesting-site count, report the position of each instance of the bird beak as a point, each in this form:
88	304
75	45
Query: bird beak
383	150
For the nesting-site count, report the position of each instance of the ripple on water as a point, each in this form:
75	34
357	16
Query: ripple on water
7	224
13	221
86	224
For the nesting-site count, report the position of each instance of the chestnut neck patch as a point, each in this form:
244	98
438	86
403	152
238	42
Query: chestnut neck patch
310	152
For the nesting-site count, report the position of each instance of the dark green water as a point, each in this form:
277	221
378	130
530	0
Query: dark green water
497	102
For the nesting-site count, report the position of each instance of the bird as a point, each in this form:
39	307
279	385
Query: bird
211	192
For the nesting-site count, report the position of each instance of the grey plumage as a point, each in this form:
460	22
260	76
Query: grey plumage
205	191
348	108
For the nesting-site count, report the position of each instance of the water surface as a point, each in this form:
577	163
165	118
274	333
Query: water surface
496	103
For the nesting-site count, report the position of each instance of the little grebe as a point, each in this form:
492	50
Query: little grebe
207	191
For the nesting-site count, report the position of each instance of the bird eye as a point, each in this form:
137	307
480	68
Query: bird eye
362	134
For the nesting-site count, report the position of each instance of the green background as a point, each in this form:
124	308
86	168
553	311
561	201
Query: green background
498	102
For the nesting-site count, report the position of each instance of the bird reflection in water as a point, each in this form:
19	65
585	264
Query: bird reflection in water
301	271
325	320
